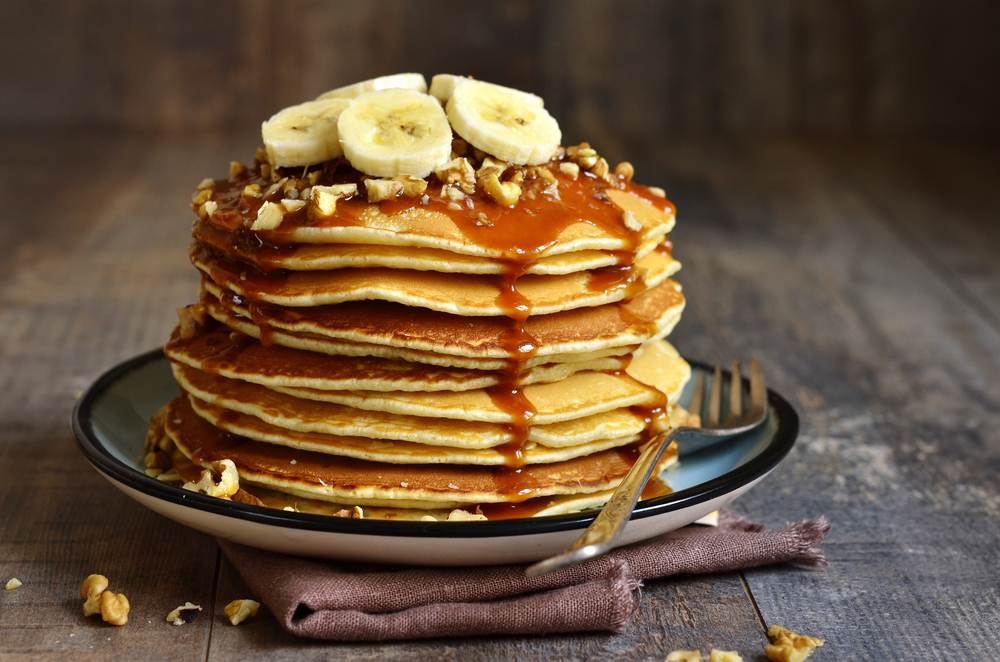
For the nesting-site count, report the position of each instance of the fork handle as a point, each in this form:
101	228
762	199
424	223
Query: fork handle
602	533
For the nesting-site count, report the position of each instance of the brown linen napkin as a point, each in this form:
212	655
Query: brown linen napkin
325	600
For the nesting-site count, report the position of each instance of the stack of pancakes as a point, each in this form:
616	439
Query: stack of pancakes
417	357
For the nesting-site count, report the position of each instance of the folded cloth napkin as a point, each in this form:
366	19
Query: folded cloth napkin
324	600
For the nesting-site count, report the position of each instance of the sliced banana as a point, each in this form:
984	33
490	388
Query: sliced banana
400	81
502	123
305	134
443	86
395	132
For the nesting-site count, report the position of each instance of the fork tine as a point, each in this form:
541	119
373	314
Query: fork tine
696	396
758	389
715	399
735	395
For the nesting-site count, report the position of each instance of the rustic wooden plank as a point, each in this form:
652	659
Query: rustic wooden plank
895	378
687	612
98	266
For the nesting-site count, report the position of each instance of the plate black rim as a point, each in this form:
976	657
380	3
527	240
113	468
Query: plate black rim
102	460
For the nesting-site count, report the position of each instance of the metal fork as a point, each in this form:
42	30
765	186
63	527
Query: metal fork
602	533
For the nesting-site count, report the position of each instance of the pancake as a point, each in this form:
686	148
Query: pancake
470	295
415	330
232	354
323	257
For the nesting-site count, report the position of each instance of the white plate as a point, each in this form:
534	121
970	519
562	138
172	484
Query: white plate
111	419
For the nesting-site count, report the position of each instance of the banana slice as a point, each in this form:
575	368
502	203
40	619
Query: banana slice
304	134
401	81
443	86
395	132
502	123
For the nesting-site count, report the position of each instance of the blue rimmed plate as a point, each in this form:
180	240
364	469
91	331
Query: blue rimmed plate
111	419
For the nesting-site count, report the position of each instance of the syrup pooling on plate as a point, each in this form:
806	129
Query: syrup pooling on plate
511	284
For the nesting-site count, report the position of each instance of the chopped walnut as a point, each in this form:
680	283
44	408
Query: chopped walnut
787	646
269	216
631	222
292	205
323	199
724	656
260	156
238	611
490	167
383	189
155	433
113	607
273	188
354	513
657	191
184	614
170	476
236	168
684	656
266	170
201	197
428	518
191	319
454	205
571	169
453	193
625	171
206	183
459	515
601	168
458	171
412	186
12	584
251	191
313	177
225	486
547	175
505	193
208	209
242	496
587	158
290	188
91	591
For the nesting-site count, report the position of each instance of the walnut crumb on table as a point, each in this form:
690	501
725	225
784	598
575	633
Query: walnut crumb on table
12	584
184	614
238	611
788	646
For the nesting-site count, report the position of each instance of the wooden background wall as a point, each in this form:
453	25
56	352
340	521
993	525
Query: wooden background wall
647	69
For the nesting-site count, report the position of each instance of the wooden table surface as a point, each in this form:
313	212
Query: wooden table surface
865	275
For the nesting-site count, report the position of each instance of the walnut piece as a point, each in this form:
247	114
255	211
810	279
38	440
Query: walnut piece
238	611
242	496
724	656
571	169
269	216
224	486
383	189
631	222
505	193
113	607
490	167
236	168
657	191
191	318
459	172
184	614
412	186
684	656
355	513
625	171
459	515
208	209
12	584
206	183
787	646
323	199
